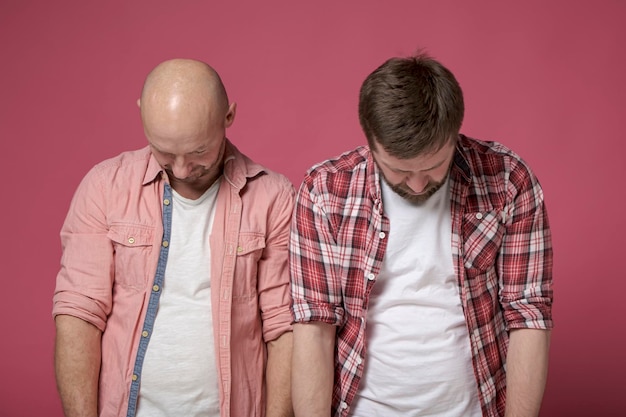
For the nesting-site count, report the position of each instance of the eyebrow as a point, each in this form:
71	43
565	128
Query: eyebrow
437	165
200	149
156	148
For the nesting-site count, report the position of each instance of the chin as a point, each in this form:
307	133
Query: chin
416	198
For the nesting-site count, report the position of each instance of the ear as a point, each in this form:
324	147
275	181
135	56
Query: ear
230	116
139	102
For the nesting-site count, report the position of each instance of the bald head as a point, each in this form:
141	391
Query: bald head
185	113
183	89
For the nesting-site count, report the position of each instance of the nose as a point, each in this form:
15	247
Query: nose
417	183
181	169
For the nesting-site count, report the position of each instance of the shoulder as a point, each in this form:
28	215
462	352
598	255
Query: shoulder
493	159
482	150
127	167
257	180
129	161
347	163
498	173
333	175
271	182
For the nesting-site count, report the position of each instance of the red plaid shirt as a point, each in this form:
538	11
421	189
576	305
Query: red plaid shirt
501	250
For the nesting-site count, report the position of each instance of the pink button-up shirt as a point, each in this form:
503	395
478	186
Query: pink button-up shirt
115	240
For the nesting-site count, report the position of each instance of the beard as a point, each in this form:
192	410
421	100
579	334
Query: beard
405	192
197	173
201	173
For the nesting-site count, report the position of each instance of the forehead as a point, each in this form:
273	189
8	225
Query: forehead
175	128
423	162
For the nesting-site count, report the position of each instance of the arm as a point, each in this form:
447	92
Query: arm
526	271
317	304
274	301
526	373
278	376
82	299
313	374
77	365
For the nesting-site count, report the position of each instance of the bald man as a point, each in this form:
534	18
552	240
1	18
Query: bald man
173	294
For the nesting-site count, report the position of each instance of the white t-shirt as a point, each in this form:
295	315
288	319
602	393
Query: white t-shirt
418	360
179	376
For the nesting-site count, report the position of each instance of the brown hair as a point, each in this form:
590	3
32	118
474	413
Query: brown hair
411	106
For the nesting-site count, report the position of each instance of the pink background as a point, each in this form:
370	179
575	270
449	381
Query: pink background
544	77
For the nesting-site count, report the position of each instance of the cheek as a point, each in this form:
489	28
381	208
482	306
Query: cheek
394	177
202	163
438	176
207	163
163	161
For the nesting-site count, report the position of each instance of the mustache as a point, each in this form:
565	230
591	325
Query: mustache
193	174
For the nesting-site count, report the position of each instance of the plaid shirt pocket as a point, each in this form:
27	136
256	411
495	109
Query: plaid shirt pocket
482	236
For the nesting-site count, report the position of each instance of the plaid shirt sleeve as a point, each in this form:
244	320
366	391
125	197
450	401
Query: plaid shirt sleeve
504	257
337	239
315	285
525	259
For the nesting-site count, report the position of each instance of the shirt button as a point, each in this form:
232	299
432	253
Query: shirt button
165	243
381	235
135	377
166	202
131	240
479	216
343	405
239	249
359	360
155	288
371	276
144	333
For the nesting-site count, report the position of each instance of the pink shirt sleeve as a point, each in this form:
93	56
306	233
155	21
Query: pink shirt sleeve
273	272
84	283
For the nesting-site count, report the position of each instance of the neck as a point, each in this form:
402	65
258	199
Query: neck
194	190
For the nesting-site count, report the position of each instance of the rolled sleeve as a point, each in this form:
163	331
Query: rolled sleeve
315	289
525	261
273	271
84	282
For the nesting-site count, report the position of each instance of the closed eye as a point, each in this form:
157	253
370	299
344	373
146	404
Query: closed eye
400	171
